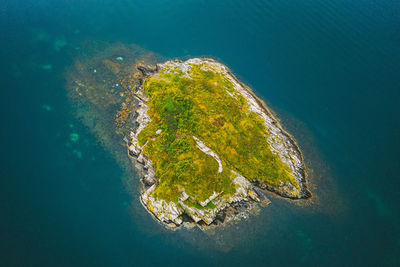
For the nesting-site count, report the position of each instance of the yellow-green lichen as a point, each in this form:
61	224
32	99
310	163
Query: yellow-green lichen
203	104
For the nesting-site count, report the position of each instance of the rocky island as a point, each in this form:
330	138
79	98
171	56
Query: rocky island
205	145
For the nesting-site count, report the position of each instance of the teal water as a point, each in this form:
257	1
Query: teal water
331	69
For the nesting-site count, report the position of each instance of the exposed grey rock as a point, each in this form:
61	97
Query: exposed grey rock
211	198
208	151
184	196
164	211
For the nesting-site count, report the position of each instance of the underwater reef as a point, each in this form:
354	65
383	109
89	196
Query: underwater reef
205	147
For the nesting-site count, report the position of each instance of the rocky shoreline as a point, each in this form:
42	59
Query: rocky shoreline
247	193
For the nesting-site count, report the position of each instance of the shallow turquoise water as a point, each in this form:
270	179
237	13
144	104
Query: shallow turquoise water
331	69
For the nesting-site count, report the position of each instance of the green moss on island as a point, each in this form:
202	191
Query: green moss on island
204	104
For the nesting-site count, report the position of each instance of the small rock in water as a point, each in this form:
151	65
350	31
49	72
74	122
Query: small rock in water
46	107
74	137
119	58
40	35
47	67
77	153
59	43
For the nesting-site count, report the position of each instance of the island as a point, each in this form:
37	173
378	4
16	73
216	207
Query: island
205	146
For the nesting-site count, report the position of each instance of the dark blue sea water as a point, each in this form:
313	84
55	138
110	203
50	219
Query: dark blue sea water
329	68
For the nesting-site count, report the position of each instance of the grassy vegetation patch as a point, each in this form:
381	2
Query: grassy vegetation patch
202	105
